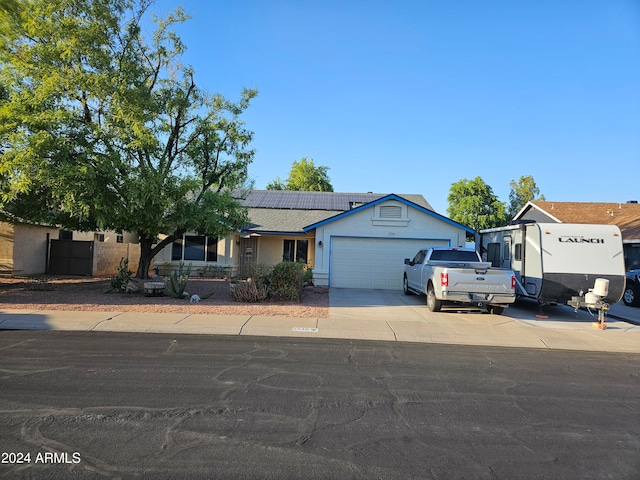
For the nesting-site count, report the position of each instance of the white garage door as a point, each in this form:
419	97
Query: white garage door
372	262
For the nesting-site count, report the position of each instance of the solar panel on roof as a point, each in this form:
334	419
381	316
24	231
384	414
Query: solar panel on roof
332	201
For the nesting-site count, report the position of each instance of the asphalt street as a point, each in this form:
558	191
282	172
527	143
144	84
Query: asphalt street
113	405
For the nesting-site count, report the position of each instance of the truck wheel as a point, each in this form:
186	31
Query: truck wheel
631	296
433	304
495	310
405	286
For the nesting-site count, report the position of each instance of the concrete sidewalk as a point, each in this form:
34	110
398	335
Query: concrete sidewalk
376	315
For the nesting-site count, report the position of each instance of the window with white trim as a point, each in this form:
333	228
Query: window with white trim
195	248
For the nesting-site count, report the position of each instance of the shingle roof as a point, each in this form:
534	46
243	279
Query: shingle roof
337	202
625	215
271	220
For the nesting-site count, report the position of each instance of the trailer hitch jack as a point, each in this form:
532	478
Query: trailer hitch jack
600	306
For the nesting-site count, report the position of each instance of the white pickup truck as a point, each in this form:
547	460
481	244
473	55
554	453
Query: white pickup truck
459	275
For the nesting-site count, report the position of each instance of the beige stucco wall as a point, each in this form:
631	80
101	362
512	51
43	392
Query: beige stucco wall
109	236
271	248
30	248
6	248
414	225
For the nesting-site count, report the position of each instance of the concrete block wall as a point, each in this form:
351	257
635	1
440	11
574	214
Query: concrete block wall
106	257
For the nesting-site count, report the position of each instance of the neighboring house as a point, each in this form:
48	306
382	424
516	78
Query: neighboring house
625	215
355	240
27	249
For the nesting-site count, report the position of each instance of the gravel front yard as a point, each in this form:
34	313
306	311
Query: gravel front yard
83	293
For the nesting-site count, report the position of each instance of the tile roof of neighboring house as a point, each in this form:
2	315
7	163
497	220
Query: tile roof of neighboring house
625	215
284	211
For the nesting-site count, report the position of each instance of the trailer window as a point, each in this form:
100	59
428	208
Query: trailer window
517	254
505	251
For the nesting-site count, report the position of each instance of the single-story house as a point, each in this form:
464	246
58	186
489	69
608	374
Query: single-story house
354	240
625	215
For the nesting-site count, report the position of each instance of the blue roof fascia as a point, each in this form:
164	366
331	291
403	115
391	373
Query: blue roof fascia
391	196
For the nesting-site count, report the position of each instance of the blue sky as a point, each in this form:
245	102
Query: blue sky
411	96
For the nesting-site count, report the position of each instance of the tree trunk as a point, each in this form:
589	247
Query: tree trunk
148	251
146	255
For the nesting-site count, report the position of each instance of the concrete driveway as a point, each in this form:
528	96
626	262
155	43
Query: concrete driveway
387	314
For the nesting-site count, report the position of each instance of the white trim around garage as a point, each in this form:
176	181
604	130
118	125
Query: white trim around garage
369	262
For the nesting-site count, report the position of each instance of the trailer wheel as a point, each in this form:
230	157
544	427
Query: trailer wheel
405	286
495	310
433	304
631	296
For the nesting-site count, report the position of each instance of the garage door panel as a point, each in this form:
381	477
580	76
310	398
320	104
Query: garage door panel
372	262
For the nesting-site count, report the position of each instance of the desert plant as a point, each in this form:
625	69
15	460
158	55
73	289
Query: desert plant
164	268
286	281
121	280
209	271
177	280
225	272
307	277
250	291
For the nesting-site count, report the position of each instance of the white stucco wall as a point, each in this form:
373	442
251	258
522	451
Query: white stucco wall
367	223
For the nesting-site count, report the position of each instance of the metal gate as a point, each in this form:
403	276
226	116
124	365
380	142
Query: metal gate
71	257
248	254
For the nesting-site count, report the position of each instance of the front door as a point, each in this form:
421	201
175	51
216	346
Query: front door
248	255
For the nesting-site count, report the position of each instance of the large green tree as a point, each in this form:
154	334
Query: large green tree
522	191
304	176
103	129
473	203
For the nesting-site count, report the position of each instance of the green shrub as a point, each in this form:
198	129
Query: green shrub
286	281
307	278
120	282
257	272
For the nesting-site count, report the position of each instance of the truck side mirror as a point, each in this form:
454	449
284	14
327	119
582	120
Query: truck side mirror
407	261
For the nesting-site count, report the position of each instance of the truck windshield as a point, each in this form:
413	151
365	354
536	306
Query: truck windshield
454	256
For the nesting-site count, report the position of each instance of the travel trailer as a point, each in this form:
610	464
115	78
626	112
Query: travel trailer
559	262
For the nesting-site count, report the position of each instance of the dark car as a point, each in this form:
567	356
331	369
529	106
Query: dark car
631	296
